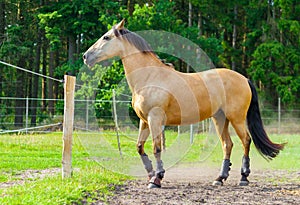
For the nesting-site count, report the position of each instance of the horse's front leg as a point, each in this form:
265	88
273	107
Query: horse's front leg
143	135
155	120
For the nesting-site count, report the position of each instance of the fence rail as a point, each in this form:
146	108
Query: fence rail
99	115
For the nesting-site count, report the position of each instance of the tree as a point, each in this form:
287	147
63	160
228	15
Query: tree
276	61
277	66
2	37
20	89
50	36
35	83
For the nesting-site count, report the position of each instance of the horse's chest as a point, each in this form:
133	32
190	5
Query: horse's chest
142	104
141	107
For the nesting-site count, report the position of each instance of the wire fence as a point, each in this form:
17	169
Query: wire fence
109	114
99	115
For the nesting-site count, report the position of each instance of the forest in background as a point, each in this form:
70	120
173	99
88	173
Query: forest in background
258	38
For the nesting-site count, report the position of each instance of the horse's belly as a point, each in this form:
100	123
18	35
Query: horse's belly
189	113
180	106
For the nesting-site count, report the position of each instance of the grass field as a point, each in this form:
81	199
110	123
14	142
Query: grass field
20	153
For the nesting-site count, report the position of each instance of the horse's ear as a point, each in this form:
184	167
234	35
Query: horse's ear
120	25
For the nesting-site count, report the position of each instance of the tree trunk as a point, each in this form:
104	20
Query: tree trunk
190	14
78	45
2	34
200	24
19	105
2	22
130	6
71	49
234	35
244	47
190	22
44	71
35	84
21	83
56	83
50	84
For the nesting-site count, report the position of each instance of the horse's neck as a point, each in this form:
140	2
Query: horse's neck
138	65
140	60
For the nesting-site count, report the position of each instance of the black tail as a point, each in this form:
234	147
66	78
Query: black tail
264	145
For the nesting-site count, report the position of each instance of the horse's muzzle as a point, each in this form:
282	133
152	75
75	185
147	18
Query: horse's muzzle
86	60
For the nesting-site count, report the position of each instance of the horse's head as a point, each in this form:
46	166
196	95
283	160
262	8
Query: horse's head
116	42
108	46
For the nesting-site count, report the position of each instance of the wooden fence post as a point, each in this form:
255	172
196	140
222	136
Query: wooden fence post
116	121
69	88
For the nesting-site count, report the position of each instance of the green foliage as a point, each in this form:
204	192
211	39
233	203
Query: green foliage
52	32
159	16
68	68
213	48
88	79
111	79
29	31
14	46
111	13
98	82
276	65
162	15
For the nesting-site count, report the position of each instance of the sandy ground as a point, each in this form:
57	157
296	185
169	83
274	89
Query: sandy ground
193	185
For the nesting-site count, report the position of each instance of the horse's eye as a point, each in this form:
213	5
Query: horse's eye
106	38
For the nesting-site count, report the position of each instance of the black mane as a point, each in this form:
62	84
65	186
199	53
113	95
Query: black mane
134	39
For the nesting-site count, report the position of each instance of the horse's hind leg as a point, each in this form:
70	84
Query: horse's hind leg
241	131
143	135
221	124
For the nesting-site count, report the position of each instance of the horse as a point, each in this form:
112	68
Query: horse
163	96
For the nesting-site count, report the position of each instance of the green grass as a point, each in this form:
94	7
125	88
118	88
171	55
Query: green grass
38	152
288	159
92	152
90	181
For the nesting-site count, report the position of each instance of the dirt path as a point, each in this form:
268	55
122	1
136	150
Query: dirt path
192	185
29	174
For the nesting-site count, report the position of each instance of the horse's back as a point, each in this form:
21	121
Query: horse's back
208	92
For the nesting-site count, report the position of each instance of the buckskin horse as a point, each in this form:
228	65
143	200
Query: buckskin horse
163	96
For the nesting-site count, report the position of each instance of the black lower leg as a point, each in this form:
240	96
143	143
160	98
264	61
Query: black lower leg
224	171
160	172
155	181
225	168
245	170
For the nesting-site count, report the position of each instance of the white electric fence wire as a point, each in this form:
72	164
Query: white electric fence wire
30	128
29	71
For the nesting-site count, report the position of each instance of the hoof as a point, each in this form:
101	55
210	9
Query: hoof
153	186
244	183
154	182
217	183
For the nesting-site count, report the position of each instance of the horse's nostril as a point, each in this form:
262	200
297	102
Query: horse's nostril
84	57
